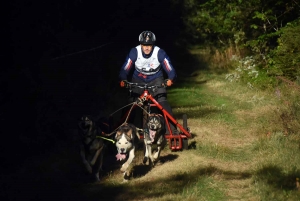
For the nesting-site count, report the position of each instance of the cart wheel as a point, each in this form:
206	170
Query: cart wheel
185	144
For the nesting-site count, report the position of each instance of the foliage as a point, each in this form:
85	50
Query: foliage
256	24
285	59
248	70
213	21
238	19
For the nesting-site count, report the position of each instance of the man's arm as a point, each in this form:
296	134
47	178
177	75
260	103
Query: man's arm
128	64
165	61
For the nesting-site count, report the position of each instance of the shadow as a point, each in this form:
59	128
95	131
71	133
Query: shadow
58	175
140	170
193	135
276	178
193	145
173	184
168	158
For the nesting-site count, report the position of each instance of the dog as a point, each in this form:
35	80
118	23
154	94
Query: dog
91	146
126	139
154	134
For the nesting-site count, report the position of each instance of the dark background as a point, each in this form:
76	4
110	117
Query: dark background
63	59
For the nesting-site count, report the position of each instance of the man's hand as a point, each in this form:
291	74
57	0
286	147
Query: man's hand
124	83
168	82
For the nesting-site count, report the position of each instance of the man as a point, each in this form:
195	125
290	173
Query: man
148	63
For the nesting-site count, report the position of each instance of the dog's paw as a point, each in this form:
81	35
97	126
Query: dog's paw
124	167
151	163
145	159
88	167
125	180
96	177
126	176
155	155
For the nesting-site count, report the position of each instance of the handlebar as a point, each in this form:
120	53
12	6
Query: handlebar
144	86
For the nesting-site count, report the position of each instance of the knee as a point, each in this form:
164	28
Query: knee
161	97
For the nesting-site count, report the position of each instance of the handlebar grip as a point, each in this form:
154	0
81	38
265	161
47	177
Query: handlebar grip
124	83
168	82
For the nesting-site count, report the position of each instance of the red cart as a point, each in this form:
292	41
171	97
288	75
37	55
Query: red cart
147	101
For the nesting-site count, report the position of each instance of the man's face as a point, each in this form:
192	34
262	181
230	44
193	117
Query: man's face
146	48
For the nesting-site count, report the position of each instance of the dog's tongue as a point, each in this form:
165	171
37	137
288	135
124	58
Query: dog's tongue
152	134
120	156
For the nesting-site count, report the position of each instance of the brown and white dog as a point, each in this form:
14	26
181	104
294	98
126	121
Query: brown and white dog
126	140
154	134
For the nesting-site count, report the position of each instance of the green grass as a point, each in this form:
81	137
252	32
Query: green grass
205	188
216	151
192	97
280	167
193	186
275	159
239	151
240	140
201	104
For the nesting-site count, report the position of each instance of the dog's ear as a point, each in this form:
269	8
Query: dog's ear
133	130
118	133
129	133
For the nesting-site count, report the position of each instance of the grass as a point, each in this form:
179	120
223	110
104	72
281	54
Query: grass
237	153
243	148
250	117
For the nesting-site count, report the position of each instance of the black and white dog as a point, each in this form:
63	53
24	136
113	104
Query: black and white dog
91	146
126	140
154	135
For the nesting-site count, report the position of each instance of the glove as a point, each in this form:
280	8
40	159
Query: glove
124	83
168	82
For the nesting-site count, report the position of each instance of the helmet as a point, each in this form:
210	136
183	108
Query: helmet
147	38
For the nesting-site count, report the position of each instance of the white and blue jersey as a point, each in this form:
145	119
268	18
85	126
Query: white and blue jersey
147	67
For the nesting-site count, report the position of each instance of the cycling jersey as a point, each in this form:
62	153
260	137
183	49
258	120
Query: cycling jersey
147	67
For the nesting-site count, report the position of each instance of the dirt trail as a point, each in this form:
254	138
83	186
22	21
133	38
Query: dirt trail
235	176
58	175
